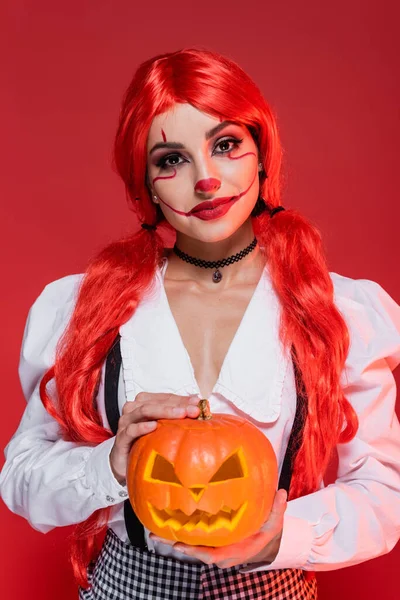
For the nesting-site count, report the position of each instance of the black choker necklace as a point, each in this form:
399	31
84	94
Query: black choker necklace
215	264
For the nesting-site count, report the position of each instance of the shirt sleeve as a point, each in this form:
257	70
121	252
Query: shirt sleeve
357	517
45	479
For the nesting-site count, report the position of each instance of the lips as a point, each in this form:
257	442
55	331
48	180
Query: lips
210	204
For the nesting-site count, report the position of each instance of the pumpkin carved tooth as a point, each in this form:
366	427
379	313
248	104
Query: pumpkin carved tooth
177	519
194	520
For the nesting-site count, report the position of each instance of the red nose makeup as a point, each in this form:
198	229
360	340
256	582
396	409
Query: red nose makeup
207	185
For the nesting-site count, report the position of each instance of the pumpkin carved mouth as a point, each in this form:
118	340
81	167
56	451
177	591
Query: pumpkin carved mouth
176	519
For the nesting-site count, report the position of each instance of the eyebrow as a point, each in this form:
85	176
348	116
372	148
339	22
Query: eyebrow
209	135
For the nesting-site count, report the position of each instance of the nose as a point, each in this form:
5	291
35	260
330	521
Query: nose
197	491
207	185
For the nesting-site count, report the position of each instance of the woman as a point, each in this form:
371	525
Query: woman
242	311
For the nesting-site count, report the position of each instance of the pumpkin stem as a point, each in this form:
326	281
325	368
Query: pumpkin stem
205	413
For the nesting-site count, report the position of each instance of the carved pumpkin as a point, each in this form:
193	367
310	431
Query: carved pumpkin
207	481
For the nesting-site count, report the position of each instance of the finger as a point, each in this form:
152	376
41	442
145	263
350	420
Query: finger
153	411
232	562
142	412
275	518
211	558
185	549
203	553
225	556
124	437
206	554
187	402
165	397
155	538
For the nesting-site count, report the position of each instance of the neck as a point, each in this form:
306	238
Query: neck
243	271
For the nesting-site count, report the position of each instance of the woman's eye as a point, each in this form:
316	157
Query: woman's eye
172	160
226	143
166	162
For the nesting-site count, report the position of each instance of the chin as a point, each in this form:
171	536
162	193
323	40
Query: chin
214	231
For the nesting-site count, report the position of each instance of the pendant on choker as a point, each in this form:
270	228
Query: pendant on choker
217	276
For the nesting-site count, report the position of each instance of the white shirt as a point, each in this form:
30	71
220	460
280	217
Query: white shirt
52	482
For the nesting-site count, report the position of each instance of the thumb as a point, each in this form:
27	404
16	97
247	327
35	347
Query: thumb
281	496
275	519
280	501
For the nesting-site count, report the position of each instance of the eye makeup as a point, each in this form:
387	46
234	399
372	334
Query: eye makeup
163	164
209	135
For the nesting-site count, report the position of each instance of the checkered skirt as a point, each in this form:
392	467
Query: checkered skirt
124	572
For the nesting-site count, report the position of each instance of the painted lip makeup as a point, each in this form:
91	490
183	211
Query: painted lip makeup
206	211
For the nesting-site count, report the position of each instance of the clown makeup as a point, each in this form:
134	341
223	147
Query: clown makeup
194	158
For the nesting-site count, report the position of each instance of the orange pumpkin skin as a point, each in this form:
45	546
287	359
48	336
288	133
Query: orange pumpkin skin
200	482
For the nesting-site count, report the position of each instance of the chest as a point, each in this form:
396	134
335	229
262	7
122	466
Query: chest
207	324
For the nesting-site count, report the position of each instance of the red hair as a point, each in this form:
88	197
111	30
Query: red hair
117	278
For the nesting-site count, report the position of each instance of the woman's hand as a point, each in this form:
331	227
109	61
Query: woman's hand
140	417
263	546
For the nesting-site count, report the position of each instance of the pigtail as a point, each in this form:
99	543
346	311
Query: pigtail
114	282
311	322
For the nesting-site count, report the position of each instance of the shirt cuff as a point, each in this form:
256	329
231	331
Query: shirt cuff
100	477
295	548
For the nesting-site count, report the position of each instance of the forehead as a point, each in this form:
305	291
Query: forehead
179	121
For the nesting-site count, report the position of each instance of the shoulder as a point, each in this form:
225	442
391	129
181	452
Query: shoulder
63	288
372	316
57	299
365	295
47	319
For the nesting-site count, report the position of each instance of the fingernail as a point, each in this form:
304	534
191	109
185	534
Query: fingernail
178	411
180	549
193	400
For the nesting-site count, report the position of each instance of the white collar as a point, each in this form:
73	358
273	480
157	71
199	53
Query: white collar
154	358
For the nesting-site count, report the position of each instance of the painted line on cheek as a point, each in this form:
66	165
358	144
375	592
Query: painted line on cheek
245	191
179	212
254	178
237	157
164	177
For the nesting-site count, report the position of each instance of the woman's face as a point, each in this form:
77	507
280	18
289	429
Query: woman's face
194	158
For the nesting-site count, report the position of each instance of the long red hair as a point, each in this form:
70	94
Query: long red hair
117	278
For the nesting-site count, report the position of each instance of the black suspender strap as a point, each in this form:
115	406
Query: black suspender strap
113	365
296	434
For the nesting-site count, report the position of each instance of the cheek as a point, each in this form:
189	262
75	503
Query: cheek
166	177
238	170
173	187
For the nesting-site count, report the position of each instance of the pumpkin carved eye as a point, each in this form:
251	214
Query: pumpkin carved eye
162	470
232	468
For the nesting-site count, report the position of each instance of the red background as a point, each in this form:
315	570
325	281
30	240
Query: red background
331	74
